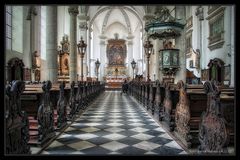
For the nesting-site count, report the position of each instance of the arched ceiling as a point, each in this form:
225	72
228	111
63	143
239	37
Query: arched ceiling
128	16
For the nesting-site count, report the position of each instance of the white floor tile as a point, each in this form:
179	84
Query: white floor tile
113	146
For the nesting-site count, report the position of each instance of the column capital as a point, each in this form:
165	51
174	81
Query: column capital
73	11
83	25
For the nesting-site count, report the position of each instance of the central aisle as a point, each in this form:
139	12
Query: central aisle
114	124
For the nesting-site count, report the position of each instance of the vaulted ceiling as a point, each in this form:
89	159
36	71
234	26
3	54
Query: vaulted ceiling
130	17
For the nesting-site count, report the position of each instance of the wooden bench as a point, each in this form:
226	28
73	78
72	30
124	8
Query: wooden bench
143	93
167	115
158	103
192	103
146	95
214	130
17	123
152	95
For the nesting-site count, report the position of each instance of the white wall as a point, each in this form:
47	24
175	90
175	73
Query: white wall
63	21
17	32
20	36
208	54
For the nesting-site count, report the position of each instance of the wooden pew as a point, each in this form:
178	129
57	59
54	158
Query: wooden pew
158	103
146	95
72	102
61	108
140	92
45	116
192	102
169	105
213	130
17	124
143	93
152	95
32	99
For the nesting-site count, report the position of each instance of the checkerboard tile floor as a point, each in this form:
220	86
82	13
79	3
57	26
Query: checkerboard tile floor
114	125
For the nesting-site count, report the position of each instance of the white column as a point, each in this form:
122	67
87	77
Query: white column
102	58
180	44
73	11
130	57
156	60
51	43
232	46
30	39
27	40
83	27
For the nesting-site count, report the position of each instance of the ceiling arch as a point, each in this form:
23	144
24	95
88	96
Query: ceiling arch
105	21
127	20
124	14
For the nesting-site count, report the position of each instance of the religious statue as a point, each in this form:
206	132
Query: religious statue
66	63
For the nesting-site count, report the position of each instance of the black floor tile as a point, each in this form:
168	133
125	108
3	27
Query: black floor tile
130	140
99	140
97	150
68	140
160	140
132	151
165	150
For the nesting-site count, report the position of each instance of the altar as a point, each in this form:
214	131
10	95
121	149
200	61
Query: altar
115	82
116	71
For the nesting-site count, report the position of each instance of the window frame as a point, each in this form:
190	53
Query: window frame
216	16
10	26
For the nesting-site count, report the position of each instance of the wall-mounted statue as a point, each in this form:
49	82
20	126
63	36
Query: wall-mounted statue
63	55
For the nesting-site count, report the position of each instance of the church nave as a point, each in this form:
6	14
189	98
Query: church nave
143	79
114	124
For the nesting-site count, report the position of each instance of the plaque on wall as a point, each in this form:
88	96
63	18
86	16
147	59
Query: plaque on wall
204	75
